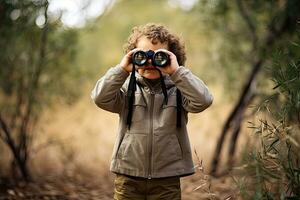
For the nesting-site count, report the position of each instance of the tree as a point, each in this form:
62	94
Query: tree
271	168
263	25
36	67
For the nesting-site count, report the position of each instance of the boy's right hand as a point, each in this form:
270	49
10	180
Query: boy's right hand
126	63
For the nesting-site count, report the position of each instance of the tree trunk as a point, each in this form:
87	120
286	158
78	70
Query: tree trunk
238	110
6	137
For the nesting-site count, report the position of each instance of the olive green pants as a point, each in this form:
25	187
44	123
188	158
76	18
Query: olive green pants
135	188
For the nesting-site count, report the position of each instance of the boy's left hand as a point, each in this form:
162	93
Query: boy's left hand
172	67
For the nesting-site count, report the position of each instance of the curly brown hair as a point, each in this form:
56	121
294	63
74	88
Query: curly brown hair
157	32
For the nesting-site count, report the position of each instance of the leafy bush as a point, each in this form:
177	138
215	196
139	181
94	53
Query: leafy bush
272	171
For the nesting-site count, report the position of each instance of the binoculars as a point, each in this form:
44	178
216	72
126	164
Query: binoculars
159	58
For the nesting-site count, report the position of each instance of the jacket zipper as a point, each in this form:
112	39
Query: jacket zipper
151	134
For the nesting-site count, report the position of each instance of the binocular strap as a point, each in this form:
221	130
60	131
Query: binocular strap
179	108
163	87
130	95
132	89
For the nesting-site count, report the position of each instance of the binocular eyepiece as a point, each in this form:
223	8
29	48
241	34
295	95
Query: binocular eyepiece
159	58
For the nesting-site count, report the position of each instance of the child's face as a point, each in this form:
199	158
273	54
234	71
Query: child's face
148	70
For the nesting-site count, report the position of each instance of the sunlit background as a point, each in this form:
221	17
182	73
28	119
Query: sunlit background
76	13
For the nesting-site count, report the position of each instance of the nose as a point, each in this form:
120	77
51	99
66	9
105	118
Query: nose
149	61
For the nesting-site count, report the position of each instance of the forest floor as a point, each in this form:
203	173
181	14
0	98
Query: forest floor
87	187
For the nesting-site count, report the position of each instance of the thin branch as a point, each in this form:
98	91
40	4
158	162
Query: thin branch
19	103
34	85
249	22
12	146
7	136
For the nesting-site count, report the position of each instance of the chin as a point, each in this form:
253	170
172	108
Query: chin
151	76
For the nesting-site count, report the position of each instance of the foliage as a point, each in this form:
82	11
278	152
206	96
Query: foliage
37	69
287	82
240	27
21	39
274	167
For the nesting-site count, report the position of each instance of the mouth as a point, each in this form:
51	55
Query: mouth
149	68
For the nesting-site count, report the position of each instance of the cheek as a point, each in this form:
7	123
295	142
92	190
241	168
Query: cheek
141	71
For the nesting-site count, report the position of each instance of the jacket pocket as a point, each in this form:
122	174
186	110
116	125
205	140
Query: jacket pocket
167	152
169	111
132	152
139	108
120	147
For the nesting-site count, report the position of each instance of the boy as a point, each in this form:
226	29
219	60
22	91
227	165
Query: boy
152	149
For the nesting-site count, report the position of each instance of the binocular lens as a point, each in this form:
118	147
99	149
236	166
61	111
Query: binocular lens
140	58
160	58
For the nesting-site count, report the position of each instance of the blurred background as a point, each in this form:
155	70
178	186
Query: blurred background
55	142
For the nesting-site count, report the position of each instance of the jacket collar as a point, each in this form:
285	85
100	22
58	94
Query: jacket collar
157	87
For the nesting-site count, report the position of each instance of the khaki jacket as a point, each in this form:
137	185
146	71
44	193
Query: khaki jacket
153	147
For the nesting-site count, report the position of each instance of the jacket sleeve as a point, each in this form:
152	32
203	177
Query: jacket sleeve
108	93
195	94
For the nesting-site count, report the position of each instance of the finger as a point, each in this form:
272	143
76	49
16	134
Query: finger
131	52
171	55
